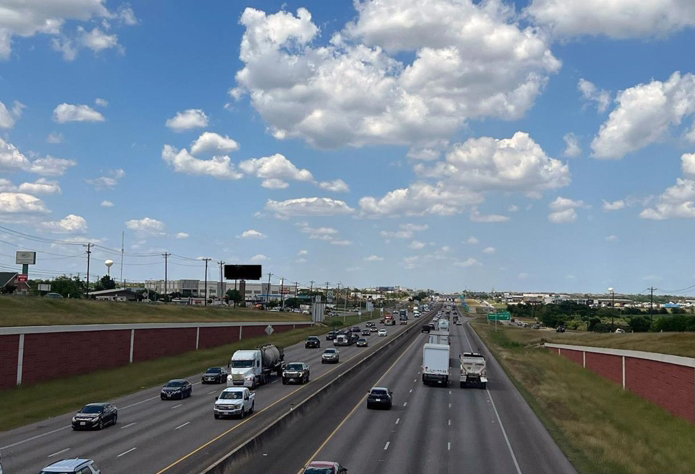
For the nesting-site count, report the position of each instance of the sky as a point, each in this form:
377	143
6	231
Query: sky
540	145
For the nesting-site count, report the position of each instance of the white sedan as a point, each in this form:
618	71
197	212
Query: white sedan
382	333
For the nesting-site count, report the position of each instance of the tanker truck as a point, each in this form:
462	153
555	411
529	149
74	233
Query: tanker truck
250	368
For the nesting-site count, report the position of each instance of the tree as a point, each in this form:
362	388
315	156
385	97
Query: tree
639	324
105	283
68	287
292	303
8	289
233	295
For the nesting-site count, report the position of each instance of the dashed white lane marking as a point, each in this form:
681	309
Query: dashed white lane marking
448	446
411	390
176	406
139	403
33	438
405	404
504	432
210	393
398	420
181	426
387	445
59	452
128	425
449	405
129	451
449	422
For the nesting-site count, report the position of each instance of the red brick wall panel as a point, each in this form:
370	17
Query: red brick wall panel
249	332
9	347
668	385
608	366
61	354
217	336
155	343
574	356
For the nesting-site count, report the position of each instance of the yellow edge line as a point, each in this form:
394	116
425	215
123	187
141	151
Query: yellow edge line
257	413
323	445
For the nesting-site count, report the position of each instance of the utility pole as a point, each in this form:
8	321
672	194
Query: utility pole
206	260
122	253
219	293
311	289
89	253
651	305
268	295
282	294
166	275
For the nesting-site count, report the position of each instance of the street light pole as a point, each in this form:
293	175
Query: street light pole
612	291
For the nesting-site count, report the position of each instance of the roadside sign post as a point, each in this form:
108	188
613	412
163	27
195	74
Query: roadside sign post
269	329
359	313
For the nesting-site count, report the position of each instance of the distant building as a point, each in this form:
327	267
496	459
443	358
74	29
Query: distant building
8	279
196	289
117	294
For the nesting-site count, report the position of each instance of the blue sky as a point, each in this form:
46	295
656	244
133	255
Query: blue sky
544	145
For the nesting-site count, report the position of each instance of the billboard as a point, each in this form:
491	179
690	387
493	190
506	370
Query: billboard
22	278
25	258
243	272
386	288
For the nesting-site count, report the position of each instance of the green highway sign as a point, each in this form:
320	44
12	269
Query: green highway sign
500	316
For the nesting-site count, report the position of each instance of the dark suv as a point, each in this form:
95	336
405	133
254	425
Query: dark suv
215	375
295	372
95	415
331	335
380	397
312	341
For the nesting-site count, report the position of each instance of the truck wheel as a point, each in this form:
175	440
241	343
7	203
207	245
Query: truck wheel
462	384
217	417
243	413
253	407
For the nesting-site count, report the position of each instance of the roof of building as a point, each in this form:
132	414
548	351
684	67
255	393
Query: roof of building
6	277
111	292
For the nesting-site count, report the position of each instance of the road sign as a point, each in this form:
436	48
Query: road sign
359	313
22	278
330	294
25	258
44	287
269	329
501	316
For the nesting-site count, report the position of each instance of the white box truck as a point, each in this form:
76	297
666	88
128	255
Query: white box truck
438	337
443	324
435	364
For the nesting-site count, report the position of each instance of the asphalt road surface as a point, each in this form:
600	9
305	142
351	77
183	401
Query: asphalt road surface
429	429
174	436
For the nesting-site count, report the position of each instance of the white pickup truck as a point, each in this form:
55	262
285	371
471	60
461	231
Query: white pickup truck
235	401
473	369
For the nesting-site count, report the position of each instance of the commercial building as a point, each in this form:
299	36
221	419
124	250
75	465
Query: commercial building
196	289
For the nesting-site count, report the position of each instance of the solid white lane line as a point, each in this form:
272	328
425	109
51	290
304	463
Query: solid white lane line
504	432
387	445
129	424
181	426
448	446
59	452
398	420
129	451
176	406
210	393
33	438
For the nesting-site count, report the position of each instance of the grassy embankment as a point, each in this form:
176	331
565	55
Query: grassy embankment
28	404
28	311
601	428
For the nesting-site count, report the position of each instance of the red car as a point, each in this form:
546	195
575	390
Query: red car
324	467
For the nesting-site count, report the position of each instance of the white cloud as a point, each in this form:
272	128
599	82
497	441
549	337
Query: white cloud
688	163
220	167
465	61
405	231
76	113
106	204
319	233
301	260
489	250
564	210
416	245
97	40
374	258
678	201
470	262
126	15
212	142
107	182
181	235
644	115
420	198
55	137
511	164
592	93
424	154
259	258
618	19
336	186
21	203
341	242
252	234
70	224
523	276
146	227
612	238
187	120
101	102
7	117
313	206
274	170
513	208
303	252
572	148
472	240
40	186
476	216
613	206
11	159
7	186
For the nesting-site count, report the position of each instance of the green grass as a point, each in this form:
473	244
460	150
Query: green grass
28	404
35	311
600	427
676	343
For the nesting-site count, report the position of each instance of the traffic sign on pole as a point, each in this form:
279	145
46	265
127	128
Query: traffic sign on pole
269	329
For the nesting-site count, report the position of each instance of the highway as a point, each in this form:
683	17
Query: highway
155	436
429	429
